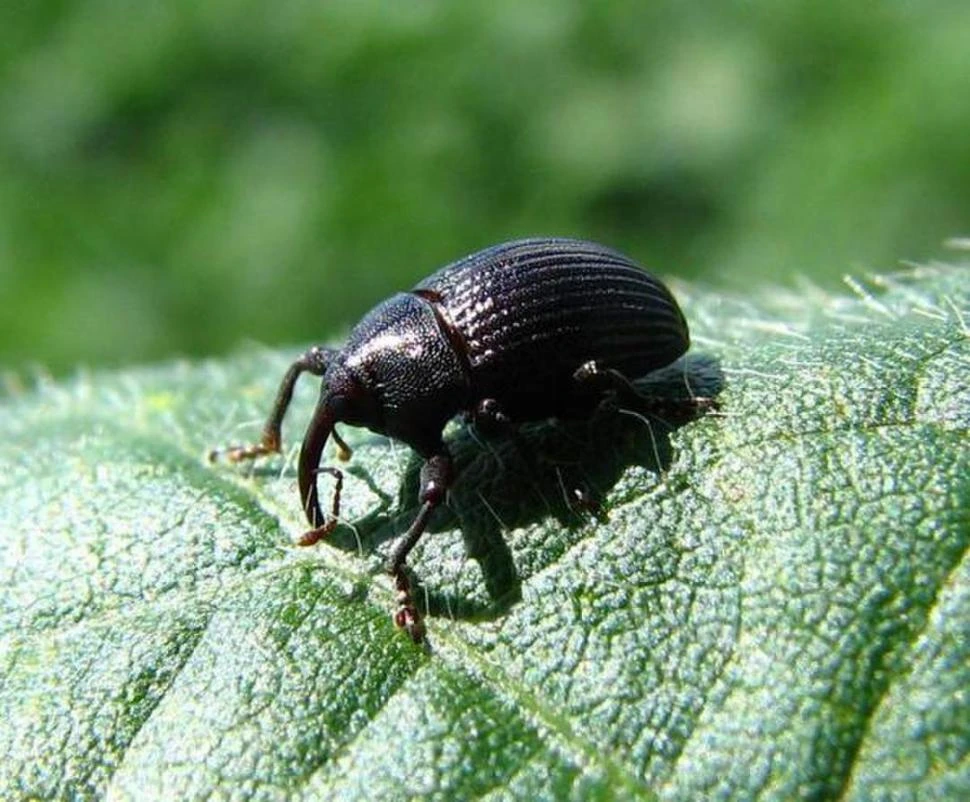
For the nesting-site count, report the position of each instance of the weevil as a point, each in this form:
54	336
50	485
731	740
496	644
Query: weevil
522	331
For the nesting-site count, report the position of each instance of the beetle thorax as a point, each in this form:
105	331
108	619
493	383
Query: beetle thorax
399	355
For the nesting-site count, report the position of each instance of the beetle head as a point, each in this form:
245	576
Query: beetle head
343	398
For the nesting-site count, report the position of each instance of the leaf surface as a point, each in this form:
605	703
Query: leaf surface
773	603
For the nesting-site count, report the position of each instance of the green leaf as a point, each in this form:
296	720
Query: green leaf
774	603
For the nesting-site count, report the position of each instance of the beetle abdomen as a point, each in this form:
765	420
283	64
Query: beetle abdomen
528	313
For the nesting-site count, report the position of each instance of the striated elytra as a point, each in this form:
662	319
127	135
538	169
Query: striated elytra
522	331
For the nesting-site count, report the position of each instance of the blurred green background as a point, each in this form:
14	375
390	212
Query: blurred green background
178	177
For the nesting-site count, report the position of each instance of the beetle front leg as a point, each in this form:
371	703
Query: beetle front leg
315	361
317	534
437	475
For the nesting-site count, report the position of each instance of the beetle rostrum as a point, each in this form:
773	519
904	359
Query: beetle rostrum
522	331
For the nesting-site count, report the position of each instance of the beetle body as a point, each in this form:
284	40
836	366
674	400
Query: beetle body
526	330
512	324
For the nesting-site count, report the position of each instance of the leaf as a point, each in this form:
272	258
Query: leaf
775	604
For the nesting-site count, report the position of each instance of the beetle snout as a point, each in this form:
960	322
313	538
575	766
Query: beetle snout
317	434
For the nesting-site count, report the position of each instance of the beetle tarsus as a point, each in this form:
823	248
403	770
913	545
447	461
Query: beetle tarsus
268	445
678	410
407	616
312	536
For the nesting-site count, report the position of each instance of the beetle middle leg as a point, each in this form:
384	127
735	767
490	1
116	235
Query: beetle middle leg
437	474
315	360
490	419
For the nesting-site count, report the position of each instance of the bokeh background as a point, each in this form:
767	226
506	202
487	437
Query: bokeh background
178	177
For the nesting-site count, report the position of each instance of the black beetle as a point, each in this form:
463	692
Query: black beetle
522	331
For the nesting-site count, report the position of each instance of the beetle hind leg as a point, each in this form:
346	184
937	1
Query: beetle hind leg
612	384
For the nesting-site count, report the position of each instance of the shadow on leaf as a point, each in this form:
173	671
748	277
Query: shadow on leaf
552	468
